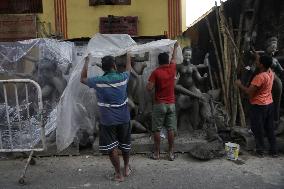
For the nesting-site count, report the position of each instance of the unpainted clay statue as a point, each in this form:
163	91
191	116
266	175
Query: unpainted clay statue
271	48
50	79
135	95
138	65
190	100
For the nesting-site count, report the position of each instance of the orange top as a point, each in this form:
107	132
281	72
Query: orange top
263	82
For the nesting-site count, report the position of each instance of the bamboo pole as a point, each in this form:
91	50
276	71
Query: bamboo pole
237	99
241	111
225	55
233	60
216	79
219	29
218	62
240	31
240	63
225	45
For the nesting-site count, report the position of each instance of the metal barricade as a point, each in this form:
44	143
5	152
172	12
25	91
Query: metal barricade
21	130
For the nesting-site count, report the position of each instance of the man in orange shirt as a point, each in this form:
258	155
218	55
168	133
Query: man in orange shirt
260	97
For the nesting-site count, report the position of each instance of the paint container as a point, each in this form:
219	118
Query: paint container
232	150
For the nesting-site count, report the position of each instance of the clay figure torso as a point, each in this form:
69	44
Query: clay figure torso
186	77
188	95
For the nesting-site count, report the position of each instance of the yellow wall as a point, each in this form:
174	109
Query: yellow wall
83	20
48	13
183	15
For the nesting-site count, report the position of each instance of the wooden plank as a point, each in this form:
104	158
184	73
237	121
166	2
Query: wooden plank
17	27
20	6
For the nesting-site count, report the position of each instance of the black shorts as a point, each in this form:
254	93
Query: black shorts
115	136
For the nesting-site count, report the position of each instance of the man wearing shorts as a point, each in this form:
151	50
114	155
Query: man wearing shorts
162	80
111	91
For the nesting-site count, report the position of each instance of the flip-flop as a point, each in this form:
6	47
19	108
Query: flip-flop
152	156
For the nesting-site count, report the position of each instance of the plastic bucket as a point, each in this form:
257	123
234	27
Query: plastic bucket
232	150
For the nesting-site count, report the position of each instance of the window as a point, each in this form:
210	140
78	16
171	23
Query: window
109	2
119	24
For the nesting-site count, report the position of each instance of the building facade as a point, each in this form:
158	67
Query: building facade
77	18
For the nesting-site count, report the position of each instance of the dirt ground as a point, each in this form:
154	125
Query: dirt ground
94	172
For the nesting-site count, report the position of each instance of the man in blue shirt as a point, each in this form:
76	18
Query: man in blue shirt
115	130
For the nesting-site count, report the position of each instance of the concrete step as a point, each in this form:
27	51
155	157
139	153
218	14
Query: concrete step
143	143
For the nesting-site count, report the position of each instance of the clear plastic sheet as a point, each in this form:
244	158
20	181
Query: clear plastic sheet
13	53
48	62
77	108
72	108
26	137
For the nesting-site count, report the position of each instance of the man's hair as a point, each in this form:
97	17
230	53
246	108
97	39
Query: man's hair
163	58
187	48
108	63
265	60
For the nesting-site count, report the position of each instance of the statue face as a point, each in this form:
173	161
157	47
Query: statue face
272	47
187	54
138	67
46	71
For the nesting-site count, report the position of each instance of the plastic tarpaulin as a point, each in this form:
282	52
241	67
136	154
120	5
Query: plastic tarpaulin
77	107
31	59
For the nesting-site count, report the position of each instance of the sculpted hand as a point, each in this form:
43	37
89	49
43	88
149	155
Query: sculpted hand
87	58
176	45
206	62
177	76
238	83
205	75
204	98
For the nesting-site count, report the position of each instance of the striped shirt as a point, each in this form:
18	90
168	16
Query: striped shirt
111	90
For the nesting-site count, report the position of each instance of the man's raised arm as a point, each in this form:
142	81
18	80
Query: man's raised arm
84	73
174	55
128	62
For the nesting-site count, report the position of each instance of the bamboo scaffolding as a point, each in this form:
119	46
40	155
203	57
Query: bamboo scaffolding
226	54
226	59
240	63
231	54
225	45
219	29
233	75
228	62
221	76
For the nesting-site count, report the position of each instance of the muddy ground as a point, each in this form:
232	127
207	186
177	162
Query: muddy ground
94	172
